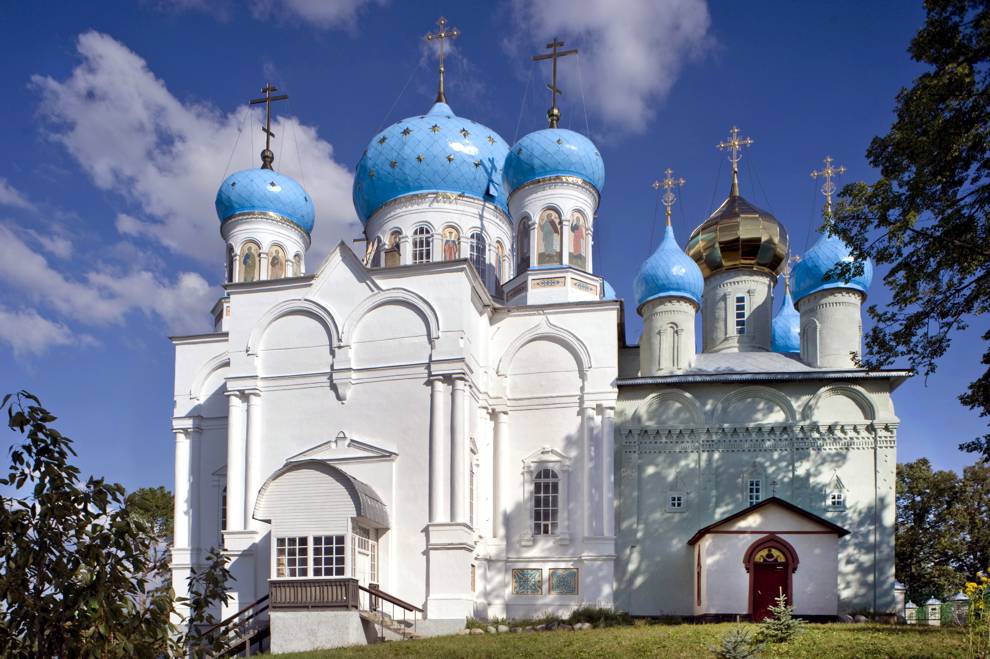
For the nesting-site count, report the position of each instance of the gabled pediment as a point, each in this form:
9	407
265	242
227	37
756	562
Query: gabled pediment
342	280
546	454
344	448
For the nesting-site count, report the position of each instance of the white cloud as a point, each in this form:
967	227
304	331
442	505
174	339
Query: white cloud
103	296
27	333
10	196
631	52
321	13
167	158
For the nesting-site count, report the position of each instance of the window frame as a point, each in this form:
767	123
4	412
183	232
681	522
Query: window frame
282	549
741	304
681	505
334	545
478	252
832	496
757	491
546	503
422	245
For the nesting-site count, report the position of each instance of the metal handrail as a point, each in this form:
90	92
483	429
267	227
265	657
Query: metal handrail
375	594
381	594
231	623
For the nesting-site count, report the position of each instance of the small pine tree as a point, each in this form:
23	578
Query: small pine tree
782	626
738	643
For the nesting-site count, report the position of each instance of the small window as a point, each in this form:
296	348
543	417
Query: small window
675	502
479	247
546	502
422	247
328	556
837	500
755	491
292	557
740	314
223	509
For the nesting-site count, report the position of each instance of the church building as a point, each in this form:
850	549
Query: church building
452	424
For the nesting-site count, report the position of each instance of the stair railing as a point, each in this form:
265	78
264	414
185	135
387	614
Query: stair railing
233	630
376	596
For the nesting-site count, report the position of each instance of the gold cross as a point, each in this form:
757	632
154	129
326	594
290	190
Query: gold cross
828	172
441	35
735	144
267	157
669	183
553	114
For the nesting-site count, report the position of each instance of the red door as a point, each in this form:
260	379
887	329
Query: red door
769	582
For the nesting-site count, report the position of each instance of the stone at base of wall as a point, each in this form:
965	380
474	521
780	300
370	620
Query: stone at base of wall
439	626
300	631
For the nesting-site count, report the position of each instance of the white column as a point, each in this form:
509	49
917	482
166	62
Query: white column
500	469
263	266
565	233
533	247
252	476
437	472
591	242
183	507
458	454
235	462
586	481
608	470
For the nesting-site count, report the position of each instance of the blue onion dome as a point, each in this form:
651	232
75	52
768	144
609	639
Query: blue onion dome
786	327
608	293
829	251
265	191
434	152
669	272
554	152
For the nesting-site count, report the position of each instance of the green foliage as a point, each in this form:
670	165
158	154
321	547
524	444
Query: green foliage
781	626
738	643
600	617
156	506
207	589
926	217
80	575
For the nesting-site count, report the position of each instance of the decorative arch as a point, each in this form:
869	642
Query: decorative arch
683	398
307	307
810	341
772	541
422	243
392	296
547	331
523	246
214	364
755	391
856	394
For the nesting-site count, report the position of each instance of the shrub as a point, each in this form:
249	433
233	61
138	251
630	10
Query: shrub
782	626
600	617
738	643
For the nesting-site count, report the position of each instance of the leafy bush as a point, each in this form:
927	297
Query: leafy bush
782	626
738	643
600	617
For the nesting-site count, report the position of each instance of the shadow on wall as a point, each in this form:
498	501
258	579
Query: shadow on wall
653	557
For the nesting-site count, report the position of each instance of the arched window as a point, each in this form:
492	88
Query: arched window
451	244
276	262
230	263
546	502
548	238
479	249
249	262
500	262
422	245
297	265
578	255
392	254
522	246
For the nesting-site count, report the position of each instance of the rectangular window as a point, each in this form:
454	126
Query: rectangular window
292	557
328	556
546	502
836	500
675	502
740	314
755	491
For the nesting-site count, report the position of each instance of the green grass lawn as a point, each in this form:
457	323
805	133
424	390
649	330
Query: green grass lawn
689	641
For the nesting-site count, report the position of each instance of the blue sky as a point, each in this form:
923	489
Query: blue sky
119	121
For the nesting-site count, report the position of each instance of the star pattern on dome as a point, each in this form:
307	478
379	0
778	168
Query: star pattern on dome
465	133
435	128
420	158
406	131
450	157
477	163
371	173
393	164
491	140
382	139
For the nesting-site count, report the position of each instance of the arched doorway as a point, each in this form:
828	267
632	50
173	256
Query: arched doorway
770	562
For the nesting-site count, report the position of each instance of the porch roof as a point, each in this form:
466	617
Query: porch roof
702	532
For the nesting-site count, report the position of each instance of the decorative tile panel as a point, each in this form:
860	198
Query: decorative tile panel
527	581
563	581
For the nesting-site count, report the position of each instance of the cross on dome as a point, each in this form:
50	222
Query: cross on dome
734	145
441	35
267	157
553	114
828	189
668	184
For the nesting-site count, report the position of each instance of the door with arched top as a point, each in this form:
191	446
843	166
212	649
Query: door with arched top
771	579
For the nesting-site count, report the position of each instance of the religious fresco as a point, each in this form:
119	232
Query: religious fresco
578	243
770	555
276	263
451	244
527	581
563	581
500	261
548	238
392	255
249	262
522	247
297	265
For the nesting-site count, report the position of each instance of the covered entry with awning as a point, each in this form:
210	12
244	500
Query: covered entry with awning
744	561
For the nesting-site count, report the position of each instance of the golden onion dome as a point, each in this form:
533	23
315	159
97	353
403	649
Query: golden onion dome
739	235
